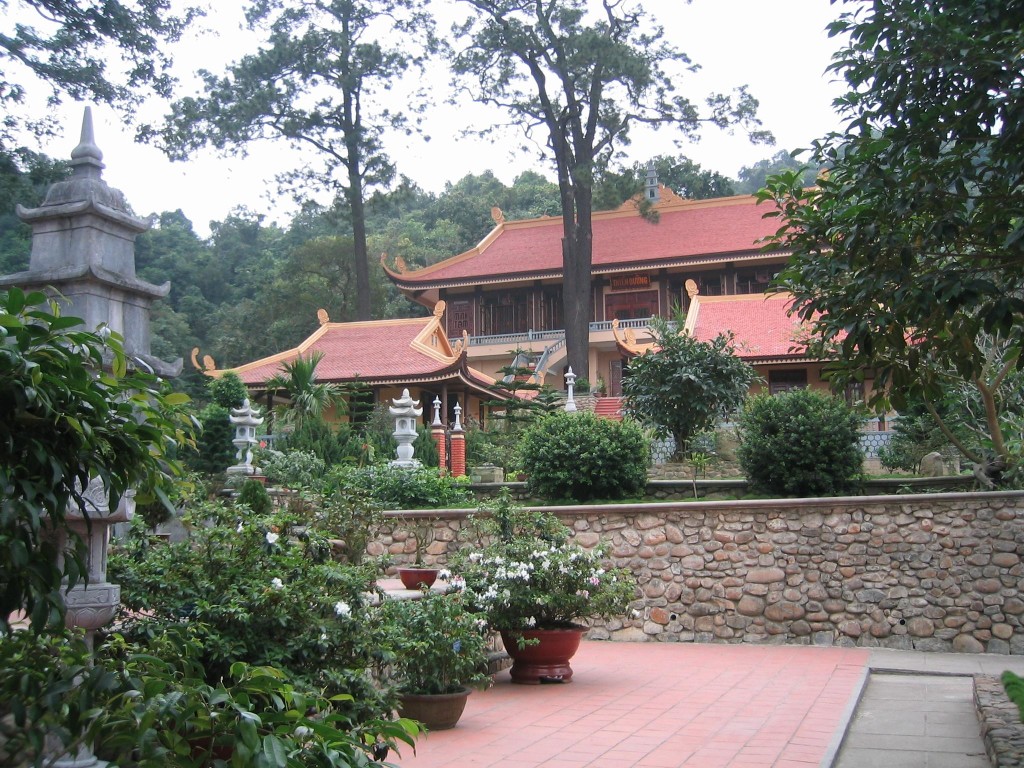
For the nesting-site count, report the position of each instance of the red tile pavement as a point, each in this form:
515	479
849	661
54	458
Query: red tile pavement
659	705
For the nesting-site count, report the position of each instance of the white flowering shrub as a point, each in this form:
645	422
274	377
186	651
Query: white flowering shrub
527	573
256	589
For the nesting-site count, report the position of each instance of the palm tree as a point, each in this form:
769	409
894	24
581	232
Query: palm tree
309	400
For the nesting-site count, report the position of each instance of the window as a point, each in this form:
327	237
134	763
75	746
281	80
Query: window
784	380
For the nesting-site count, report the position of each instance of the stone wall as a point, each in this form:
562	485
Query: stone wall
930	571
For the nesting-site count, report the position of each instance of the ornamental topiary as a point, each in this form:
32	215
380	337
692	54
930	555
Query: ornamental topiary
800	443
580	456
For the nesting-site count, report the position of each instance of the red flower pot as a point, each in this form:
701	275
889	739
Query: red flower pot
547	659
418	578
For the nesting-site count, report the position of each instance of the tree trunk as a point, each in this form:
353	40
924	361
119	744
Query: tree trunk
576	291
362	264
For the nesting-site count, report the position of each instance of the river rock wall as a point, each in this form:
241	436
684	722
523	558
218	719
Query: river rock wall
938	572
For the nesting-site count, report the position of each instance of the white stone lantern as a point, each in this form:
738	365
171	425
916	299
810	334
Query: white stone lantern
406	412
570	381
245	419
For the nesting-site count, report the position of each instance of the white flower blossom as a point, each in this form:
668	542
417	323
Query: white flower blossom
531	622
458	582
239	528
303	731
445	574
475	557
272	537
276	583
341	608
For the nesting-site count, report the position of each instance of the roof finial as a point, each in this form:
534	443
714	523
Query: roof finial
86	158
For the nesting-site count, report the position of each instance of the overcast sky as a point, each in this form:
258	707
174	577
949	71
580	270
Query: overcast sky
779	48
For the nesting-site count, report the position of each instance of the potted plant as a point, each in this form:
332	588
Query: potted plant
418	575
434	651
534	585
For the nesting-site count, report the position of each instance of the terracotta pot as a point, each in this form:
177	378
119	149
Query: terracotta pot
418	578
437	711
546	661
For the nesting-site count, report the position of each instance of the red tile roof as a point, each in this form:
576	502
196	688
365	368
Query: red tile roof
763	330
686	229
376	350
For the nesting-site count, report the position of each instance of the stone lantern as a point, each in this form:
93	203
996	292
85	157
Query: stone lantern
570	382
245	419
406	412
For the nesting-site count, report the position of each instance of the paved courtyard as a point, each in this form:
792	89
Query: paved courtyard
657	705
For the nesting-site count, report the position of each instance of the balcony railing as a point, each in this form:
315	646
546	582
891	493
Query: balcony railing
516	339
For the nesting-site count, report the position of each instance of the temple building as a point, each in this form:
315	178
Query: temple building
704	258
379	359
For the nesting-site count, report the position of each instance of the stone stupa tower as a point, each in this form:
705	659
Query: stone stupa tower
83	253
83	247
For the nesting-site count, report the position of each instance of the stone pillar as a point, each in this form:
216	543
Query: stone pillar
458	439
570	382
437	432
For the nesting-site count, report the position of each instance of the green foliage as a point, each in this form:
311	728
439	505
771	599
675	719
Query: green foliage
685	386
227	390
109	53
754	177
397	488
37	694
65	422
581	457
1014	686
329	101
293	469
214	451
800	443
258	589
433	644
680	174
908	258
522	571
916	434
156	706
348	514
331	444
310	400
254	497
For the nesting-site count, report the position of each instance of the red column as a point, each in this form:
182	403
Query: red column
458	453
437	432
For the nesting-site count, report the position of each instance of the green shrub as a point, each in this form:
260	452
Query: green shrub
579	456
214	450
257	589
253	495
396	488
800	443
293	469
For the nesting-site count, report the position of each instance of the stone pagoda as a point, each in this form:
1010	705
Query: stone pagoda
83	247
83	254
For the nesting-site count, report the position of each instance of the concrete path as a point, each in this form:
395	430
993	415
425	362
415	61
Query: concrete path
655	705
